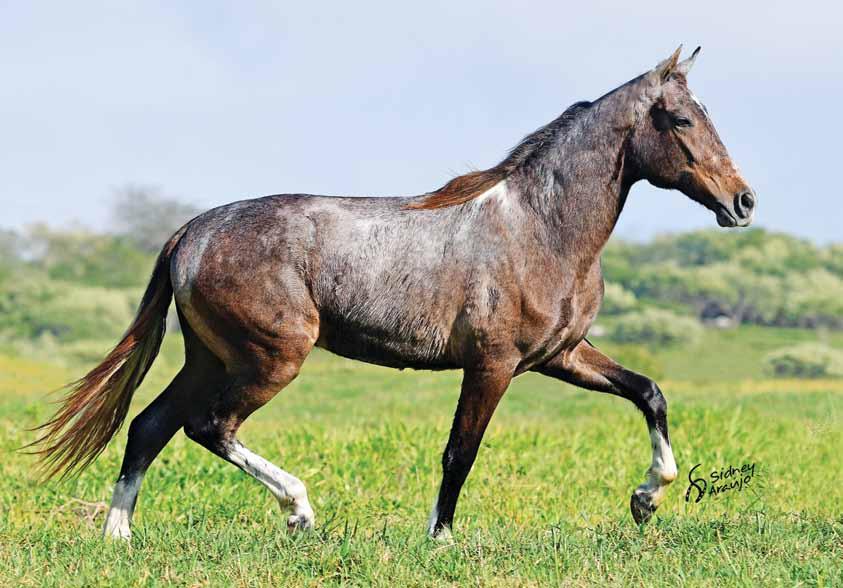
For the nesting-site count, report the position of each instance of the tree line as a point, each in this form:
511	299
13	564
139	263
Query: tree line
752	276
73	283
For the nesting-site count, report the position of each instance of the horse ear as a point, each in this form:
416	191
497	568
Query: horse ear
665	68
685	66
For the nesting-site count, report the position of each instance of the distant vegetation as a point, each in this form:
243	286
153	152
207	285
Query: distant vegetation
657	327
76	290
751	277
806	360
72	291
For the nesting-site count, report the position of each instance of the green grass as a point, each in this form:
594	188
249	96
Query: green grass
547	502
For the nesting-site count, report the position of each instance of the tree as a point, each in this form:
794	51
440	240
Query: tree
10	252
653	326
88	258
617	300
147	218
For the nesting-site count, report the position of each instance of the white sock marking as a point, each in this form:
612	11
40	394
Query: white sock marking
434	516
119	519
287	489
662	469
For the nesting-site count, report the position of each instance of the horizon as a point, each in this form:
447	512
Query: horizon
221	104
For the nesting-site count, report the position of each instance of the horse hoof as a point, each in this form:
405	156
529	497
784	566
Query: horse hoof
120	535
117	529
441	535
299	522
641	507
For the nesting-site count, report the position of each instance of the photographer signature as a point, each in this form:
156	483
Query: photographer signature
719	481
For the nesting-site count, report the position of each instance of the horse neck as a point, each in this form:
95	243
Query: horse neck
578	187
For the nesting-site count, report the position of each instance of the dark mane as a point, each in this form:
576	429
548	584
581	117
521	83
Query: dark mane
471	185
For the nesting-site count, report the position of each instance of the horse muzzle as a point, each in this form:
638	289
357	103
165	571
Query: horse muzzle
740	213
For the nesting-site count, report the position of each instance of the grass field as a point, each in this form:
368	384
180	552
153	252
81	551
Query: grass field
547	502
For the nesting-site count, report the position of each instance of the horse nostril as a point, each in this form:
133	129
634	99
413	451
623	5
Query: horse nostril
744	203
748	200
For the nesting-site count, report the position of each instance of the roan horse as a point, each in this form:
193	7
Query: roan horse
496	273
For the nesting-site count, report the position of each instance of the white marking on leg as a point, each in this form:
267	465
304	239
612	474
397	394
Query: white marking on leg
287	489
434	516
662	470
444	534
119	519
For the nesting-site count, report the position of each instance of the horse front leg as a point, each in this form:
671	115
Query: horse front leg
587	367
482	389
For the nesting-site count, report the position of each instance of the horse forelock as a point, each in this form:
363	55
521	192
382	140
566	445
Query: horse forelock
469	186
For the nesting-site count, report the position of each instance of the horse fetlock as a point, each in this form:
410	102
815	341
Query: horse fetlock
295	500
662	476
667	476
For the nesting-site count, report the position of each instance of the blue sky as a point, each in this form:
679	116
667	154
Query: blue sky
218	101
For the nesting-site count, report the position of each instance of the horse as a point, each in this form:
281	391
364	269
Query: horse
496	273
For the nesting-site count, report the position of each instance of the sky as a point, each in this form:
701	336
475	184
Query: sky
213	102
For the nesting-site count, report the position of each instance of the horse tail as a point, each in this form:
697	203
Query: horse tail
96	405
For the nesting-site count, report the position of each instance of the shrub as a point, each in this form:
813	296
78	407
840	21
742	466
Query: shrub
30	308
617	300
655	327
806	360
89	259
813	298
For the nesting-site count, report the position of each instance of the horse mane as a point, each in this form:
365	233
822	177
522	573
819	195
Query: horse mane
466	187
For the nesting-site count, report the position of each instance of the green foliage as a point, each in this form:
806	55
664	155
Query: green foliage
10	245
753	276
637	358
617	300
806	360
148	219
832	257
32	306
654	326
812	297
89	258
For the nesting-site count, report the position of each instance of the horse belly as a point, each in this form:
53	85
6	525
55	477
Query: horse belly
375	346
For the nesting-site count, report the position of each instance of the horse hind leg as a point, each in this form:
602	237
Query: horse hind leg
149	432
215	428
153	428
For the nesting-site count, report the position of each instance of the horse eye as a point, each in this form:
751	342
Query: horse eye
681	121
